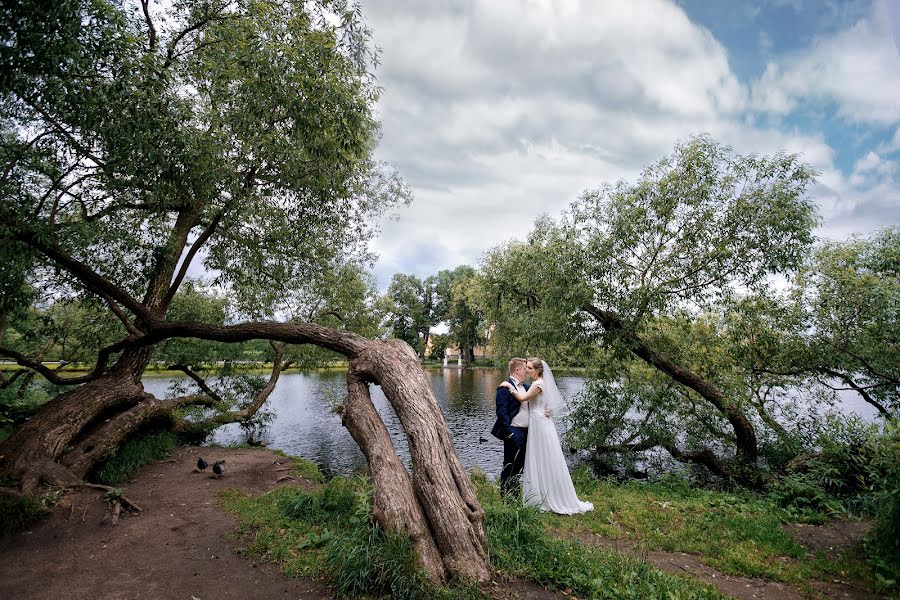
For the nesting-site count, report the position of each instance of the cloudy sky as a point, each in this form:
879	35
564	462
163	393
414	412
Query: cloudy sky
498	111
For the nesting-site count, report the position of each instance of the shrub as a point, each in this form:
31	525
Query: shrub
884	543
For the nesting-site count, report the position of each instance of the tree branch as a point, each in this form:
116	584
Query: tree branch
90	278
860	390
201	383
6	381
151	30
195	247
52	377
207	18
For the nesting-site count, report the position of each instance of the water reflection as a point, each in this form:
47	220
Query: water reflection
306	425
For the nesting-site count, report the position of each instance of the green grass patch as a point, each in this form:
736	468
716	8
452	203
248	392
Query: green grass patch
329	533
18	512
134	454
738	533
521	545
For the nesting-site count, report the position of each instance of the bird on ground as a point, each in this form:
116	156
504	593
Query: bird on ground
201	464
218	469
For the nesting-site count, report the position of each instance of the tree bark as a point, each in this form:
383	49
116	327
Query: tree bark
442	487
394	499
30	453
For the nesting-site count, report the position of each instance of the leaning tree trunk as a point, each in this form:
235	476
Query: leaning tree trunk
441	489
744	433
30	454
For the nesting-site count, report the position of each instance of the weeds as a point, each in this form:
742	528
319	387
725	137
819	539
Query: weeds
18	512
134	454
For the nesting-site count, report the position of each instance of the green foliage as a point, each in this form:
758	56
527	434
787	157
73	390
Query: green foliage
137	452
884	477
851	291
847	464
22	399
459	290
413	307
266	162
18	512
643	271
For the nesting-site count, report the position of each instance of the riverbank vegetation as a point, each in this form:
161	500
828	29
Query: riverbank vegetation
329	533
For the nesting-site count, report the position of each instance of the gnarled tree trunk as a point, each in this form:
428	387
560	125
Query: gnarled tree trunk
435	504
30	454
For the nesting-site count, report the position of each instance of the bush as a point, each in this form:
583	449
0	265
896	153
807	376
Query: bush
838	478
884	544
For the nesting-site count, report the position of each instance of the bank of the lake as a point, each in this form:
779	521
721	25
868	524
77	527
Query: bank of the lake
304	422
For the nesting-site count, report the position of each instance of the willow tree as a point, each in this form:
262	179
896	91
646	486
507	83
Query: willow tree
851	295
696	227
137	143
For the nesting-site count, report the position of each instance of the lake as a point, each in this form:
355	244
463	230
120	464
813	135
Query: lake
305	424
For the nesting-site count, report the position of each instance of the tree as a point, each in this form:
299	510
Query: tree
852	293
458	290
136	143
696	228
415	307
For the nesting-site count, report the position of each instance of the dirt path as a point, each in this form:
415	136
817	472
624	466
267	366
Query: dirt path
177	548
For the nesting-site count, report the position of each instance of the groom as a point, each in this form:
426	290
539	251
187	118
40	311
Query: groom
512	427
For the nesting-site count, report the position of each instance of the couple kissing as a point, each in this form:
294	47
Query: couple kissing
533	461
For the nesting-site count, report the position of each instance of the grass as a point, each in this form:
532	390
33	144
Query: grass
134	454
329	533
18	512
738	533
521	545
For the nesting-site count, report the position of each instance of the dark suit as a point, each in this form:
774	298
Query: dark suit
514	439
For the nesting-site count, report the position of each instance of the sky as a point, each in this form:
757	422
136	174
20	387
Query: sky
499	112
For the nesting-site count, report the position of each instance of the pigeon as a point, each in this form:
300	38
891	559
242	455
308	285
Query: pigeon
218	469
201	464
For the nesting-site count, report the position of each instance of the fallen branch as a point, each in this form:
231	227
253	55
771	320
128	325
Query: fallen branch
122	497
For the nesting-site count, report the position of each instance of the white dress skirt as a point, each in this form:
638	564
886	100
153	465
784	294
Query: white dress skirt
546	482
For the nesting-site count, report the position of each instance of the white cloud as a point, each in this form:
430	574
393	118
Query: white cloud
858	69
498	112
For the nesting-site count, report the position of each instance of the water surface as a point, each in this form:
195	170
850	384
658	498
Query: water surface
305	423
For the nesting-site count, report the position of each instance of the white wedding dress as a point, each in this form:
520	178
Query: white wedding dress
546	482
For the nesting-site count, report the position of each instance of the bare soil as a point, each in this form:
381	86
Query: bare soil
181	545
178	547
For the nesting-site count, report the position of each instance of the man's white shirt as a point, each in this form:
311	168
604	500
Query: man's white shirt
521	418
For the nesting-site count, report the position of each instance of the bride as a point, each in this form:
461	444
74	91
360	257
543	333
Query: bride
546	482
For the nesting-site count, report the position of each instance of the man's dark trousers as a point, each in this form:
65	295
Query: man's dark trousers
513	461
